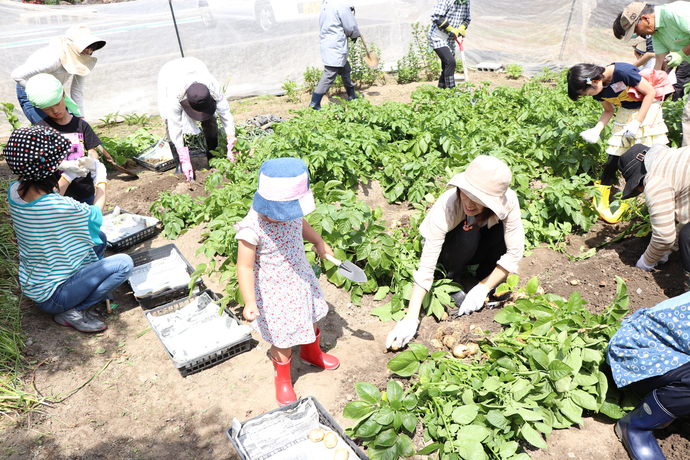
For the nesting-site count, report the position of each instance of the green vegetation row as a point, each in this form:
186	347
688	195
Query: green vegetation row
541	373
412	150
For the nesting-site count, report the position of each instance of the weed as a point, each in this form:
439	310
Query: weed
135	119
292	90
311	78
110	119
546	76
513	71
8	109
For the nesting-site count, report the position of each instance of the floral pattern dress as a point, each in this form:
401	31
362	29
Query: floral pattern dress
288	294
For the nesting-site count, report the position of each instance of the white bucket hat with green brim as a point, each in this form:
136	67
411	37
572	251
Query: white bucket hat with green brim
486	181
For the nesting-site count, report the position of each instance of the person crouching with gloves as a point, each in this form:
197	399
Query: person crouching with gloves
650	355
663	175
336	23
449	19
188	93
477	222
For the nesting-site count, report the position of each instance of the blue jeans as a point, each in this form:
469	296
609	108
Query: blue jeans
32	113
100	249
90	285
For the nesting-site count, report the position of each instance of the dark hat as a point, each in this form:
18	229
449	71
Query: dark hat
631	164
199	104
34	153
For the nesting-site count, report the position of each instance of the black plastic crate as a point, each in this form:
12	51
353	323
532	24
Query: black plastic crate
159	167
135	238
324	418
211	359
144	257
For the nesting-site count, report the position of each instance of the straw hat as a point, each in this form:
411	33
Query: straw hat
486	181
283	192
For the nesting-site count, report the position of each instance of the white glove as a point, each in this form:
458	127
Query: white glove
88	163
644	265
72	169
101	174
629	133
591	135
402	333
474	300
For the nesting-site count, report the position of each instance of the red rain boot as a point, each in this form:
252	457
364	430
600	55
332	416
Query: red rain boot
285	394
311	354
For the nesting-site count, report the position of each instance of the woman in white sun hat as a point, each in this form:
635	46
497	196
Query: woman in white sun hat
66	56
476	222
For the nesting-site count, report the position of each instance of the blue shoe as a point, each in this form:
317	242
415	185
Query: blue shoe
635	429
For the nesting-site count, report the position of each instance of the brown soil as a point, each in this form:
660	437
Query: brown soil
122	398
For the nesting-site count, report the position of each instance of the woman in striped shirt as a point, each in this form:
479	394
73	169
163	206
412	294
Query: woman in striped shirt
61	264
663	174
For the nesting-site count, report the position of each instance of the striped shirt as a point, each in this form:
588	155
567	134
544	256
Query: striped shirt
56	236
457	13
667	193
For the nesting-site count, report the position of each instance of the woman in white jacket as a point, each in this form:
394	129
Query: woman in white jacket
66	56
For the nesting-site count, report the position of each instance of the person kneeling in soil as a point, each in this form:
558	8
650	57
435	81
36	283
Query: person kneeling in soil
79	178
61	264
336	23
662	174
188	93
478	221
650	355
280	290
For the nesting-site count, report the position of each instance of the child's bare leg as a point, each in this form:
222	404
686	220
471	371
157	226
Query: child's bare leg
282	355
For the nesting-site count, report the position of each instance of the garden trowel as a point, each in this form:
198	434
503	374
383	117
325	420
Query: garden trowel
348	270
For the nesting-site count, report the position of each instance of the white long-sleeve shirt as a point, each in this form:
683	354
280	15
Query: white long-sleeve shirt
174	78
46	60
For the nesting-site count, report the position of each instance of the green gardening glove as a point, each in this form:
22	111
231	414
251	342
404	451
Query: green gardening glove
675	58
459	31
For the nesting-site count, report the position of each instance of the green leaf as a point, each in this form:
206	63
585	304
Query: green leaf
386	438
100	351
491	384
465	414
470	450
558	369
540	358
532	436
381	293
429	449
405	364
419	350
357	409
507	316
405	446
572	411
368	429
475	433
532	285
584	399
384	416
368	392
612	410
409	421
394	391
497	419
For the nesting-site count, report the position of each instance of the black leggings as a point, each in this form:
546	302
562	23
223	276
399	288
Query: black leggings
608	176
483	246
672	389
447	79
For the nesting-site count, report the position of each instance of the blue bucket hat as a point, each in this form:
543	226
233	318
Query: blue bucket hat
283	192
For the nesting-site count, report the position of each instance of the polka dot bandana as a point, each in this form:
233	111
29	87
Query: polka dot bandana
34	153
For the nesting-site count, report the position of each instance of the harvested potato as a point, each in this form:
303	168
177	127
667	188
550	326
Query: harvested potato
316	435
449	341
439	333
436	344
472	349
330	440
444	316
460	351
395	347
341	454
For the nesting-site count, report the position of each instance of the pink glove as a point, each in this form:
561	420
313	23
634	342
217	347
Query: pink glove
186	163
231	144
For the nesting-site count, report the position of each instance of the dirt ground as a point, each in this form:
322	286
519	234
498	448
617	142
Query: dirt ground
121	397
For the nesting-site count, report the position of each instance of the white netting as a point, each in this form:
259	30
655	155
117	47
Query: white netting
229	36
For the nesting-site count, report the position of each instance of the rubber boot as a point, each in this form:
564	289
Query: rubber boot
315	101
602	206
311	354
635	429
686	282
285	394
351	93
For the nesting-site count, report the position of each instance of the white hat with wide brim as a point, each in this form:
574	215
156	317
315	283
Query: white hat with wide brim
486	181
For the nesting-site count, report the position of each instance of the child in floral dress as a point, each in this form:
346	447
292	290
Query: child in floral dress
281	293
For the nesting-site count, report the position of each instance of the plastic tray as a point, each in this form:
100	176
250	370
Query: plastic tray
144	257
324	418
160	167
217	356
133	239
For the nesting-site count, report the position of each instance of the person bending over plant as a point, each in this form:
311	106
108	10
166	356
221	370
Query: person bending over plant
478	221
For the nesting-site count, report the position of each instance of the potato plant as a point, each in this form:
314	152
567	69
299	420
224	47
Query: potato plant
542	372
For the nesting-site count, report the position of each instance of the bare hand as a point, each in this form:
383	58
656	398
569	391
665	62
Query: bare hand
250	312
322	249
